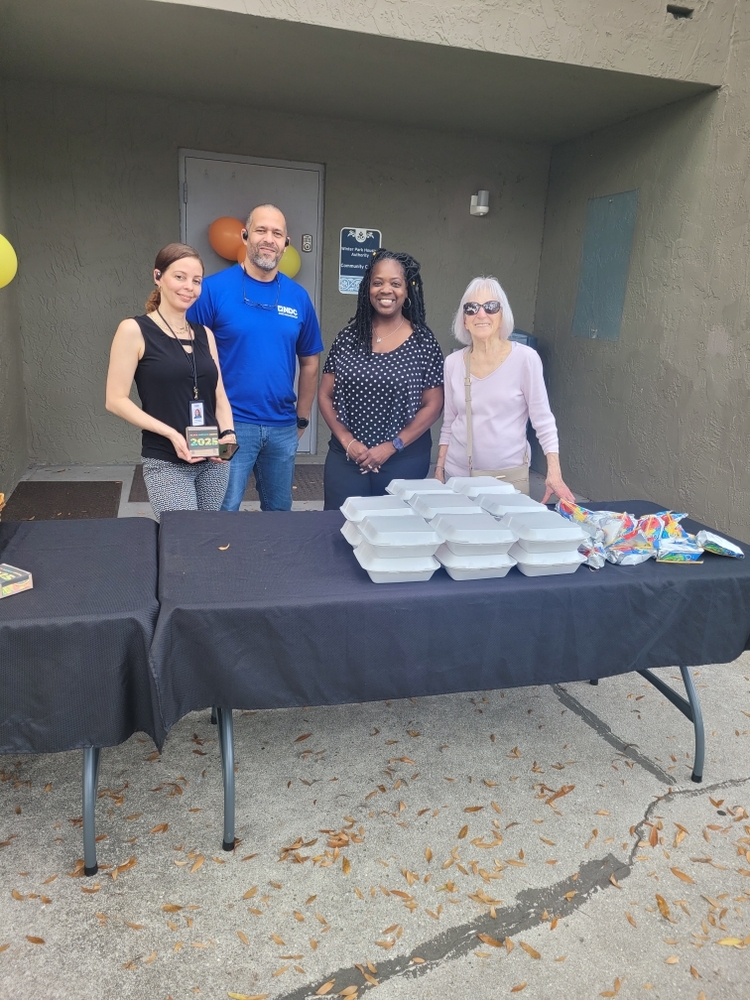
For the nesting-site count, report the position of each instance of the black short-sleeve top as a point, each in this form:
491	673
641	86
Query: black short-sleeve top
377	395
164	379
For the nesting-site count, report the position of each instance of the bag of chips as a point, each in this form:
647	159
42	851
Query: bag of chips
718	545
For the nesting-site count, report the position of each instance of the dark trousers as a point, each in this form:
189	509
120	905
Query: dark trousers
342	478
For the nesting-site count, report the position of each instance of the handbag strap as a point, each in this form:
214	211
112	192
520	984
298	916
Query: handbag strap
467	397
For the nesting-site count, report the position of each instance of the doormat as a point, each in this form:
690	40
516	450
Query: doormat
63	501
308	485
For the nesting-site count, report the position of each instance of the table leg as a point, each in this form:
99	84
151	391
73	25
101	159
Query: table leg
90	783
226	744
690	708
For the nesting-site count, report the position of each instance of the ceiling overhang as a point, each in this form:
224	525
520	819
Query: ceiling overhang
219	56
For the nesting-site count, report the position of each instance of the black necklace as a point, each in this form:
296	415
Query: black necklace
189	355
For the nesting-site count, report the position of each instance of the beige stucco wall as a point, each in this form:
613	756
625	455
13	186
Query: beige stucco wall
634	37
95	194
664	412
13	450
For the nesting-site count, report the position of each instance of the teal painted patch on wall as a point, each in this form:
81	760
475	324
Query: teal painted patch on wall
605	261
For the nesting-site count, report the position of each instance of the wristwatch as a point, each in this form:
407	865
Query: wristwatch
302	422
398	444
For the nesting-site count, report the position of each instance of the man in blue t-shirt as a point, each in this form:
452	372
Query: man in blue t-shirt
264	323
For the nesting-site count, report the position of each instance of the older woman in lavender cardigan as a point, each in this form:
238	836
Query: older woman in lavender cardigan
507	389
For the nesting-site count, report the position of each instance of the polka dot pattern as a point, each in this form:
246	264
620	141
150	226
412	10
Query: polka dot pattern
377	395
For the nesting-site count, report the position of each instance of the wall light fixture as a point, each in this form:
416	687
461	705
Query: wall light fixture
480	203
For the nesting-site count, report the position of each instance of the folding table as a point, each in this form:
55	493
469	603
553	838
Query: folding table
74	668
272	611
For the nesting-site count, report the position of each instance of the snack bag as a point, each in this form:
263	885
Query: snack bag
604	525
675	544
630	548
718	545
595	553
652	526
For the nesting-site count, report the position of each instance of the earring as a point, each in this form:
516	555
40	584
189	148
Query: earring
407	302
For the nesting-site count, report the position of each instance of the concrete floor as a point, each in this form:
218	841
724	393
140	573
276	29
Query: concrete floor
414	835
124	473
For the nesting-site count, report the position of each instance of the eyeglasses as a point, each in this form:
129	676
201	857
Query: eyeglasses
491	307
261	305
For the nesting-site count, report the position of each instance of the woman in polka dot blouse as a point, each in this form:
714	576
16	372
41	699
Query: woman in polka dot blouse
382	385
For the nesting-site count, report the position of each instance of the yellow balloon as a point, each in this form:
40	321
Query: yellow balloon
9	262
291	262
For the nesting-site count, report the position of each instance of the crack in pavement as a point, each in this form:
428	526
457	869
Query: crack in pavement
602	729
458	941
530	904
680	793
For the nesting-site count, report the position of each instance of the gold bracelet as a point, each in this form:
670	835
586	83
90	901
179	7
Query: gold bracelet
348	447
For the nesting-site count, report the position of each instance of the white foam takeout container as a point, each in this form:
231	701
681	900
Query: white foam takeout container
429	505
473	536
399	537
545	563
405	570
351	533
500	504
355	508
476	567
545	531
472	486
407	488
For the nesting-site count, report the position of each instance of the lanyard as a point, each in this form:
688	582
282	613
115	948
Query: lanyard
189	356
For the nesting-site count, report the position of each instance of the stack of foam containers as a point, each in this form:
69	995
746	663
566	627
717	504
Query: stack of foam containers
474	548
547	542
474	486
407	489
429	505
355	509
500	504
391	542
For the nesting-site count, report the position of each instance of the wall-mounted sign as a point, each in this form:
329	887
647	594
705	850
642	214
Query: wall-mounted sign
357	247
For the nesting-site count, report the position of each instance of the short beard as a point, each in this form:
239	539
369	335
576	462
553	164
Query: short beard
265	263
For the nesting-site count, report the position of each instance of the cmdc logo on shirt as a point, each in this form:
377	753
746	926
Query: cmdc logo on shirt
288	311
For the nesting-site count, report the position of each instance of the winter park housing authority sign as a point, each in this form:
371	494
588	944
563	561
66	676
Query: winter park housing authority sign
356	249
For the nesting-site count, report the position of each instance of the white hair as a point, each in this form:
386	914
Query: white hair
492	287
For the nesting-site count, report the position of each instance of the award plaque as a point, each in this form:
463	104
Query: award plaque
203	442
14	580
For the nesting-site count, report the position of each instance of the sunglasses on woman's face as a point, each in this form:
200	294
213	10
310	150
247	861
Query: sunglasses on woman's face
491	307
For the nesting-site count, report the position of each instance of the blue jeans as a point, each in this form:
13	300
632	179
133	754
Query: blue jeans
271	452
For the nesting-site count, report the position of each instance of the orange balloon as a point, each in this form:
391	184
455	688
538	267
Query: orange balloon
224	236
241	253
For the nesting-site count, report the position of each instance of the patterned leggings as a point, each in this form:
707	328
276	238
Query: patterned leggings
178	486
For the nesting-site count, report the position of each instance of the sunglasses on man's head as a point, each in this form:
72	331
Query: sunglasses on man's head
491	307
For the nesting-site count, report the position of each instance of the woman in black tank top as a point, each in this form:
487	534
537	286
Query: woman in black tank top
172	361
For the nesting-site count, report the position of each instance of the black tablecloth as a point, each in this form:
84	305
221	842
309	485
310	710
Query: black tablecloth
285	616
74	668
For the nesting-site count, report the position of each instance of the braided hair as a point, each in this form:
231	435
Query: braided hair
413	309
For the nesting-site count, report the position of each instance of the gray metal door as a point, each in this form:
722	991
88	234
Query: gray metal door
216	184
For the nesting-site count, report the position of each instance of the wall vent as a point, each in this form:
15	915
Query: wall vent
676	11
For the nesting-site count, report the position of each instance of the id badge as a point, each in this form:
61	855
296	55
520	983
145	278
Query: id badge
197	413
